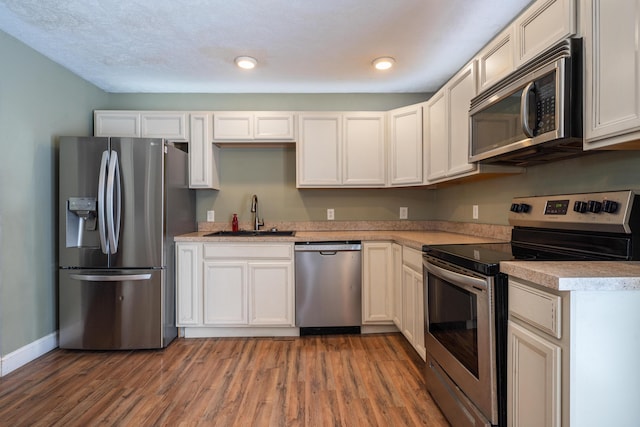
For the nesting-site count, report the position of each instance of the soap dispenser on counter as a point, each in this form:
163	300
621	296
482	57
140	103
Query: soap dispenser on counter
234	223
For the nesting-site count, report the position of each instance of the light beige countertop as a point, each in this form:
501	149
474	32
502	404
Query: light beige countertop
577	276
413	239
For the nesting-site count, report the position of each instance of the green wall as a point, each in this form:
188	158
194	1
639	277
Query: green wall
39	100
599	171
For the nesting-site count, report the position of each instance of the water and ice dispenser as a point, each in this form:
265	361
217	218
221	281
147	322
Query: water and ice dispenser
82	215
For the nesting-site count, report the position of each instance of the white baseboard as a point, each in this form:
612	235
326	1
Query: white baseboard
29	352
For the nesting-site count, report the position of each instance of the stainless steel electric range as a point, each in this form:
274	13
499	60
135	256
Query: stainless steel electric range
465	294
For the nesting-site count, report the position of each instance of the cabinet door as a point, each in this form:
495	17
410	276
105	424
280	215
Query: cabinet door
406	145
461	89
377	278
203	155
396	250
612	101
319	150
271	300
116	123
232	125
168	125
225	293
363	154
496	59
436	139
188	284
533	379
418	334
408	304
274	126
542	25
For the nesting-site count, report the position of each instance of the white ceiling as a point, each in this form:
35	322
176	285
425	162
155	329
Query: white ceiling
302	46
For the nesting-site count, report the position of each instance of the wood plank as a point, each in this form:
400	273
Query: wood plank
341	380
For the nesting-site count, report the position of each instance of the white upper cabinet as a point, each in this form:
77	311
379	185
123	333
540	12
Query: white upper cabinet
341	150
172	125
542	25
116	123
250	126
204	165
436	138
405	145
447	127
169	125
319	150
612	74
460	90
538	28
496	59
363	153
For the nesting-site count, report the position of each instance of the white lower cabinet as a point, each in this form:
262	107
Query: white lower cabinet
534	389
377	283
572	357
413	300
188	284
396	255
225	293
241	285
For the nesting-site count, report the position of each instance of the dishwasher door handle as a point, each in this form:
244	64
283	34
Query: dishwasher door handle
328	252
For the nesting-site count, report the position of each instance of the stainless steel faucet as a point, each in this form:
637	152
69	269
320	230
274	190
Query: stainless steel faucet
257	222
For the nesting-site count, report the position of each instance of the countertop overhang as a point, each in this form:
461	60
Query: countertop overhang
412	239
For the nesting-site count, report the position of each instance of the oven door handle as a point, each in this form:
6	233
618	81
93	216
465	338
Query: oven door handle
472	284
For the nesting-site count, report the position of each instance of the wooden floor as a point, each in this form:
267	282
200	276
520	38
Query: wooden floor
345	380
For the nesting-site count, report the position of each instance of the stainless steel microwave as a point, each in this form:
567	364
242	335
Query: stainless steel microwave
534	115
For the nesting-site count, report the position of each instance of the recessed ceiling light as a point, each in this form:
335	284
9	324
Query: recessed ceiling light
384	62
246	62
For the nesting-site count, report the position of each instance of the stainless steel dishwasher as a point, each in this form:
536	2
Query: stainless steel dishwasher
328	287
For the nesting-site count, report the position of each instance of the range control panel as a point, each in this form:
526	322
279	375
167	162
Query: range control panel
604	211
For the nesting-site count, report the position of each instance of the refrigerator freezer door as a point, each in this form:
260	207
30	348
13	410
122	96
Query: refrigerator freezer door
111	310
79	241
141	167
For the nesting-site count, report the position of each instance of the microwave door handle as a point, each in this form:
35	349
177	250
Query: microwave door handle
524	109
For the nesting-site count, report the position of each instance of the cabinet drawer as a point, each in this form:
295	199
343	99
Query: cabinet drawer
538	308
248	251
412	258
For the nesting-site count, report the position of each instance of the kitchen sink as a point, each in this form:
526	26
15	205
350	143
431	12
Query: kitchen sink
252	233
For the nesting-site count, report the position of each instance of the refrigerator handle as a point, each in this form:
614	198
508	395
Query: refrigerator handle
114	201
102	228
110	277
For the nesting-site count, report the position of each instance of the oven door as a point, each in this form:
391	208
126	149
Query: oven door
459	332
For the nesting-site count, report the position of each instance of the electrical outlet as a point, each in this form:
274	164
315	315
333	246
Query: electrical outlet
211	216
330	214
475	211
404	212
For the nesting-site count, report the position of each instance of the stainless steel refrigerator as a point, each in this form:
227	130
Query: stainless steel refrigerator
121	202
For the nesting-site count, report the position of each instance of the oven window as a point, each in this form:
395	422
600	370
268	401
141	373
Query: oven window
453	320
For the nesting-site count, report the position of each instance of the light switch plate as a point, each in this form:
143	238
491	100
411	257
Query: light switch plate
211	216
475	211
404	212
